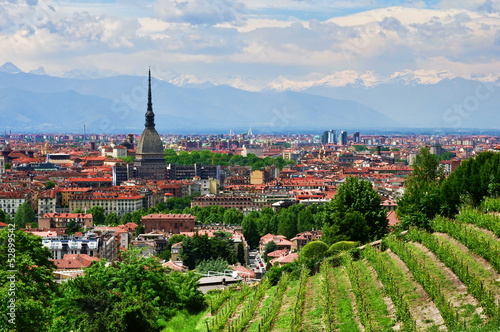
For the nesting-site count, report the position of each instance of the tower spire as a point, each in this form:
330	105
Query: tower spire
150	116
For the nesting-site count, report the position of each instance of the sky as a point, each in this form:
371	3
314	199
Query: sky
254	44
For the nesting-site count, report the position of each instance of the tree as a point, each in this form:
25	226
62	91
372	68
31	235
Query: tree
139	230
24	215
287	224
305	221
354	214
98	216
72	227
34	285
215	265
8	166
133	295
250	230
112	219
233	216
49	185
421	200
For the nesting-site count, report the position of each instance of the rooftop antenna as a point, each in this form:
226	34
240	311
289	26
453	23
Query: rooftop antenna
84	135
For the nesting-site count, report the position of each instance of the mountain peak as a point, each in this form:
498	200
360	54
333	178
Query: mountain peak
10	68
38	71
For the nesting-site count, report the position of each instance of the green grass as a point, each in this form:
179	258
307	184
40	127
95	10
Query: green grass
286	313
254	327
373	299
487	276
343	311
185	322
446	285
312	315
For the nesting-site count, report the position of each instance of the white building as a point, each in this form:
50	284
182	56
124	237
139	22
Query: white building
60	246
10	201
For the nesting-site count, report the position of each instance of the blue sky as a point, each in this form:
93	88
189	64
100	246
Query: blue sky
256	44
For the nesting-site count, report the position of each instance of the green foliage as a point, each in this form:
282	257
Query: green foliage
72	227
140	230
8	166
250	230
200	247
341	246
299	304
128	159
233	216
421	200
314	249
98	217
214	265
206	157
34	285
354	214
24	215
133	295
49	185
112	219
267	321
360	148
274	274
491	204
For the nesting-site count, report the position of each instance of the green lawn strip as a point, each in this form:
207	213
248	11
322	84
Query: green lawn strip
327	296
256	319
369	297
477	241
312	313
480	267
458	261
286	312
396	285
344	319
427	274
487	221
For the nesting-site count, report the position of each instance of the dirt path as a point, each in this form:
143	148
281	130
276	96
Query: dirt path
423	310
391	308
312	314
484	230
493	282
457	293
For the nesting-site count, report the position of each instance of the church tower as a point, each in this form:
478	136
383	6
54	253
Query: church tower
150	155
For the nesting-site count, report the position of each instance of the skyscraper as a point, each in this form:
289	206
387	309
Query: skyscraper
329	137
355	137
343	137
150	156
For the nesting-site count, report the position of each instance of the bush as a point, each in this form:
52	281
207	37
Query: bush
341	246
274	275
314	249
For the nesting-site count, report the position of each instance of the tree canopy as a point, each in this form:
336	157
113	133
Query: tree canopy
354	214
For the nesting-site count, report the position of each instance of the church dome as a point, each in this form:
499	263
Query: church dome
150	142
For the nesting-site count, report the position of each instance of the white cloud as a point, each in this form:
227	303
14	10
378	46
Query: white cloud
198	12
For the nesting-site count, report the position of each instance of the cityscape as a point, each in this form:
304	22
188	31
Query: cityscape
210	166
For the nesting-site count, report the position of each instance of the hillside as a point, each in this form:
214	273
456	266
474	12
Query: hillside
448	280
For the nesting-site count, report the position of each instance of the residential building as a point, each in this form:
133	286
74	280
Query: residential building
119	203
238	202
60	246
169	223
60	220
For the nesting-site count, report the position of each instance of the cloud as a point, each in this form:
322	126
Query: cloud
200	12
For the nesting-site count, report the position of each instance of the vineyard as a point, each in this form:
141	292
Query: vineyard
445	280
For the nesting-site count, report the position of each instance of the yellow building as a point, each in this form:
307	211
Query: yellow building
259	177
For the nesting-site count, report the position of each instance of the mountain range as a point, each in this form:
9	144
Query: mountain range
37	102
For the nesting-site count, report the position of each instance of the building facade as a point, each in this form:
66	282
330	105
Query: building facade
168	223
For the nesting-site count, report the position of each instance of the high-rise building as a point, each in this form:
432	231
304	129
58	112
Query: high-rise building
150	156
343	137
329	137
355	137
